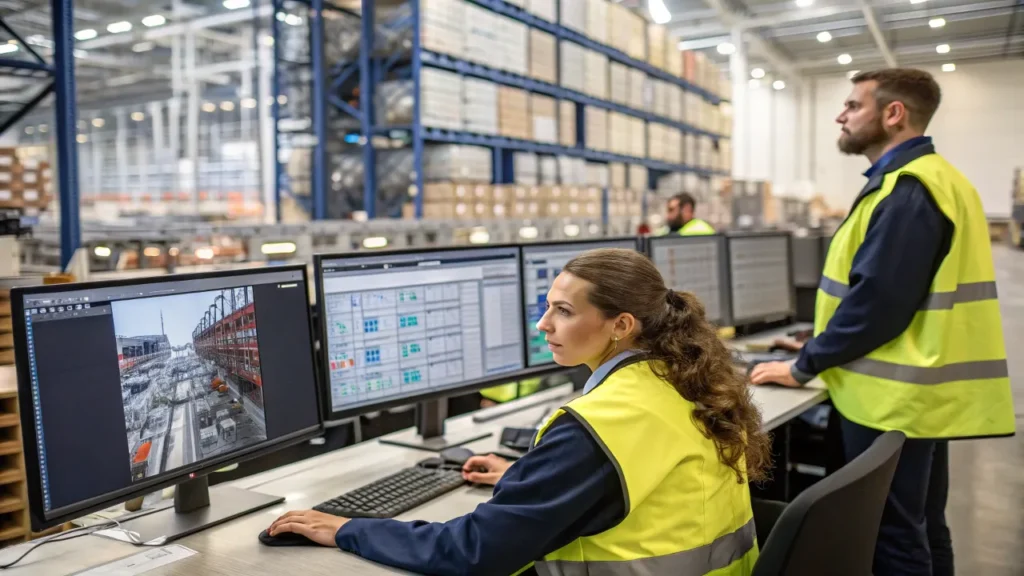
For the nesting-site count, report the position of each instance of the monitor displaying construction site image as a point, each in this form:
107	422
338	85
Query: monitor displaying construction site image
191	382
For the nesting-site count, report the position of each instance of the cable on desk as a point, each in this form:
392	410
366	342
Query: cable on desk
67	535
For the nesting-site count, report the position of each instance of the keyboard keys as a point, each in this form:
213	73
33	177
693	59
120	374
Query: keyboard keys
393	495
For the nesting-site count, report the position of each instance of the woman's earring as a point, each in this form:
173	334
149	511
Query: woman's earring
615	339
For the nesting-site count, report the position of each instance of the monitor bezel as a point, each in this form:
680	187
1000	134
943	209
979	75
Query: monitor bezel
637	245
40	518
331	415
789	259
725	278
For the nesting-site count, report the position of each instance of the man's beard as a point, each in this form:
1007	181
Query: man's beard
870	136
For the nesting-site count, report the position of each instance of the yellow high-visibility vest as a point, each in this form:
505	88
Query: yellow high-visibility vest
695	227
945	376
686	514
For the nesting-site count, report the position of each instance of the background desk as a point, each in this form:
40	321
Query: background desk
233	549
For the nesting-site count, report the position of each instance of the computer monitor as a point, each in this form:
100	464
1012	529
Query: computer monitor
761	277
696	264
410	326
542	262
127	387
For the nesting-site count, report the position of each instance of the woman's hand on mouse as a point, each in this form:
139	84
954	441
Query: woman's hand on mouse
485	469
316	526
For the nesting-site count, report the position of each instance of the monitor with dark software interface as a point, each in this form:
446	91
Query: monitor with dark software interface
129	386
541	264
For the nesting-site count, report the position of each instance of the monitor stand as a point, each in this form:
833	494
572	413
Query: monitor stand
430	434
194	510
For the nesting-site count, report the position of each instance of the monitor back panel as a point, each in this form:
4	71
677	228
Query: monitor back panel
541	264
760	273
696	264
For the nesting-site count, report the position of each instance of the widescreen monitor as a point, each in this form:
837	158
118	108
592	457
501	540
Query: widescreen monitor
761	277
696	264
129	386
407	326
542	262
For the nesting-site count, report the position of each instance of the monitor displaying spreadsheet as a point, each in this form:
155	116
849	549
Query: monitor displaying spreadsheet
401	326
695	264
541	264
761	276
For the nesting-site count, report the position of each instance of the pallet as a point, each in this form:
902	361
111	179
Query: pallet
14	521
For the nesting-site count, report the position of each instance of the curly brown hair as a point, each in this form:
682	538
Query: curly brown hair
685	351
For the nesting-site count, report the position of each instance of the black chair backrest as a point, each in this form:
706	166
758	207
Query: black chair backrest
831	527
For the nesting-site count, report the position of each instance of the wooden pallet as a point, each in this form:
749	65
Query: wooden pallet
14	521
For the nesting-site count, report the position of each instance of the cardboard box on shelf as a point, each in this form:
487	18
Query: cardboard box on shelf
673	56
444	192
441	26
567	123
618	133
597	20
618	83
571	171
543	56
676	102
617	174
596	129
597	175
514	113
524	209
525	168
689	66
660	101
480	106
544	9
454	162
544	112
638	87
637	26
10	198
548	170
571	73
618	29
638	177
573	14
512	41
481	33
656	35
656	141
595	74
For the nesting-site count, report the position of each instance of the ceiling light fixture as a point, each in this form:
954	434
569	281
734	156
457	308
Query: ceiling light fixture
209	107
950	67
726	48
80	53
81	138
942	48
248	102
844	59
918	1
937	22
804	3
154	21
227	106
87	34
138	116
119	27
824	37
778	84
98	122
143	47
757	73
8	48
236	4
659	12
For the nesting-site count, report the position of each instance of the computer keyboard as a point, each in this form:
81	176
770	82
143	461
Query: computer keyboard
393	495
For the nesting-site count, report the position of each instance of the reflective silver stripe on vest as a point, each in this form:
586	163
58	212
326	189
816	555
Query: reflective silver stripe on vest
833	288
973	292
979	370
696	562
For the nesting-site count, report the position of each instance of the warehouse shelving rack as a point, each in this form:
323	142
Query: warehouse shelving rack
61	73
375	67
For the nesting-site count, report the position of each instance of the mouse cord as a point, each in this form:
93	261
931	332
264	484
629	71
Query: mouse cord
61	537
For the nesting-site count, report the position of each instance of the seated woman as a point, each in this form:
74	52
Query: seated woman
645	473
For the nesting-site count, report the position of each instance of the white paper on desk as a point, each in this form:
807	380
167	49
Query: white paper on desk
141	562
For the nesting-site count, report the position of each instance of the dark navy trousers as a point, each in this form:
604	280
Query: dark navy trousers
913	539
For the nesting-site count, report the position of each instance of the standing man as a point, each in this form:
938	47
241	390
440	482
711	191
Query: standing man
907	331
679	218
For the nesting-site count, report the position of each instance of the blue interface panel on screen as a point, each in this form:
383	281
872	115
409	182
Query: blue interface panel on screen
541	264
402	325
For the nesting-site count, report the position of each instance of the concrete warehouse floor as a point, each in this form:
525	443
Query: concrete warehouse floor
986	495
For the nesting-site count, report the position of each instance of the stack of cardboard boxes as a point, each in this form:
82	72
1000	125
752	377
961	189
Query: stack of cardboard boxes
543	56
514	113
24	184
454	201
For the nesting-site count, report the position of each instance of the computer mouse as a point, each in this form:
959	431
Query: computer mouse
457	455
285	539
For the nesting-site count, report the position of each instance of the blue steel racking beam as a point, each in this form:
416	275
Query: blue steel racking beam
367	88
66	113
319	112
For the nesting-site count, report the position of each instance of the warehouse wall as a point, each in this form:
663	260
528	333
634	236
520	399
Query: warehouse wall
978	128
773	149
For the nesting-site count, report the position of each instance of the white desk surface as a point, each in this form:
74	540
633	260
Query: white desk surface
233	549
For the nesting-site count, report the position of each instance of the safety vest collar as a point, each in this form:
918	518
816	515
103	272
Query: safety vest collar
719	554
875	182
634	359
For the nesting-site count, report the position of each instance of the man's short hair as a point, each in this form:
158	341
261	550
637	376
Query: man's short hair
684	199
916	89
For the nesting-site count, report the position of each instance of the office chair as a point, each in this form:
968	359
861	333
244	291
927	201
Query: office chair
831	527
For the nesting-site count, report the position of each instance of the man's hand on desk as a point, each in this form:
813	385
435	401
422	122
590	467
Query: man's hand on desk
316	526
485	469
774	373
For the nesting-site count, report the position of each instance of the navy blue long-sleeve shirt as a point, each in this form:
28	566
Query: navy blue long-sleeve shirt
907	239
564	488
